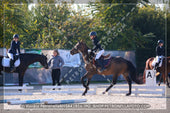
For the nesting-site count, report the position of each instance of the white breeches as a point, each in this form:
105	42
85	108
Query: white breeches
11	56
159	58
99	53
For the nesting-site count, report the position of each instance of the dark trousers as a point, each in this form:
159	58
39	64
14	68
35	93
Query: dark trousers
55	76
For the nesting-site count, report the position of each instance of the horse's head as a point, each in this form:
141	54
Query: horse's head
79	47
43	61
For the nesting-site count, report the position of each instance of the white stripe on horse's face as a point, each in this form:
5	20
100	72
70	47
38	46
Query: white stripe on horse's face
76	45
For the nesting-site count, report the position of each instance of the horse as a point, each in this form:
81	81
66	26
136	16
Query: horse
25	60
116	67
164	69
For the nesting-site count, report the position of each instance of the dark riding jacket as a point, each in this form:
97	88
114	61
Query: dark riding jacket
14	47
96	45
160	51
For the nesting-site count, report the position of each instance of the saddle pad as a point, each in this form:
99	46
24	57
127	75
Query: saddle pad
6	62
106	62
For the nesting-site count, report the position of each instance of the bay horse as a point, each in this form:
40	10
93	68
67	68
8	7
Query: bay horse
117	66
25	60
164	69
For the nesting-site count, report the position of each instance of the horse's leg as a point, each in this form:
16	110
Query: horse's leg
21	76
160	80
114	80
87	87
128	79
88	81
168	80
1	79
82	80
162	77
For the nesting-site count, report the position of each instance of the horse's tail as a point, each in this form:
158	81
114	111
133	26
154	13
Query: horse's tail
133	73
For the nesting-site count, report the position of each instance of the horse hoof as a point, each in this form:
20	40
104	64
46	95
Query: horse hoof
83	94
19	89
88	88
104	92
128	94
158	84
168	85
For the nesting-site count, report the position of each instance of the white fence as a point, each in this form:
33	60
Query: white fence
67	90
137	90
14	90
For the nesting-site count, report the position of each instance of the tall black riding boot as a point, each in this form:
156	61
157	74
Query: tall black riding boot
100	63
12	68
156	66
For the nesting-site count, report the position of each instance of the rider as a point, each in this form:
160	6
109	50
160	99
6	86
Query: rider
97	49
160	53
15	45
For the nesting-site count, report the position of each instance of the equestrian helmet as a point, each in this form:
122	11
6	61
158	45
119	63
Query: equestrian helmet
160	41
15	36
93	33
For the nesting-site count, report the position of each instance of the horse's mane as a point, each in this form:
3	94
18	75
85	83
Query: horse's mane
85	44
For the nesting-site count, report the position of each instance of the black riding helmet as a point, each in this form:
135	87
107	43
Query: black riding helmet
160	41
15	36
93	33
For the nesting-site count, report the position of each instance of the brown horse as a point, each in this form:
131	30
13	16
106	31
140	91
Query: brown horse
117	66
164	69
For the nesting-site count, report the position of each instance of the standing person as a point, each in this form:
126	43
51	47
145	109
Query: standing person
97	49
160	53
15	45
56	63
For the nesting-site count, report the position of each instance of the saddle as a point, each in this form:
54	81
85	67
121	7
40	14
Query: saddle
6	61
105	60
105	56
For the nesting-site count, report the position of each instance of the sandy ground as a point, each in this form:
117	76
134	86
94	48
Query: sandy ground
155	101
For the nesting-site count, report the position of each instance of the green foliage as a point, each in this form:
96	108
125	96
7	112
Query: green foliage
149	21
45	26
143	25
119	25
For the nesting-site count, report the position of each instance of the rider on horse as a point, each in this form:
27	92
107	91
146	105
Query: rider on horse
15	45
160	53
97	50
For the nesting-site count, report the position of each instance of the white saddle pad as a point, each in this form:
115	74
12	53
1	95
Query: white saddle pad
155	61
6	62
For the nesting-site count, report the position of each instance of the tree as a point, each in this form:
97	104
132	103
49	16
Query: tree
11	17
142	25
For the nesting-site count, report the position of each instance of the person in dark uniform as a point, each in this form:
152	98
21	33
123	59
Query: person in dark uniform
56	63
15	45
160	53
97	49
